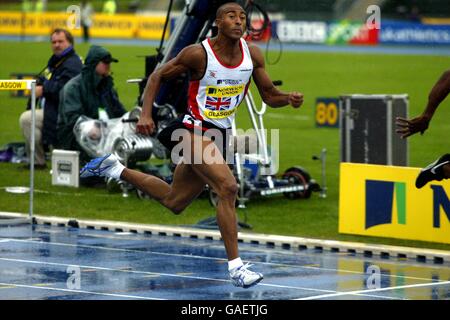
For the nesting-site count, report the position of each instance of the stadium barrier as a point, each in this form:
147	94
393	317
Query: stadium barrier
104	26
413	33
357	33
146	27
382	201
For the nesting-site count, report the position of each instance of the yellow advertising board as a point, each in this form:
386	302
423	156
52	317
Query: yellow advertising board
104	26
382	201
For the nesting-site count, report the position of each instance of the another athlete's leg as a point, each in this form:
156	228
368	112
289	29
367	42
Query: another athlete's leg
447	171
438	170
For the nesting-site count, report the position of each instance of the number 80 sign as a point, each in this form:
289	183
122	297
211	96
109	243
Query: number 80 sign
327	112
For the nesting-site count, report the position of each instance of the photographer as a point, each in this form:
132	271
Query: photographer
90	94
63	65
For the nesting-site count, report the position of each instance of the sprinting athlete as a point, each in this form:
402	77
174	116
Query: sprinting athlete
220	70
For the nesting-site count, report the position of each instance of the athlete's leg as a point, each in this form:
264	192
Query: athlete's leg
438	170
189	180
447	171
186	184
220	178
185	188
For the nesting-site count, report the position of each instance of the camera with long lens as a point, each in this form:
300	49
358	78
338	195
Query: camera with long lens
118	136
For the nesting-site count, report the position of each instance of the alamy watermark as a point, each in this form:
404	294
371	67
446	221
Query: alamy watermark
373	21
250	145
74	280
74	19
374	279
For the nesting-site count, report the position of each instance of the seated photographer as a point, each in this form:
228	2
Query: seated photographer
62	66
90	94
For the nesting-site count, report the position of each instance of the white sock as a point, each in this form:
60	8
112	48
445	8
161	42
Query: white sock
233	264
116	170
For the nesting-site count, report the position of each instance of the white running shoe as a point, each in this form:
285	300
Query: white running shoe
245	278
107	166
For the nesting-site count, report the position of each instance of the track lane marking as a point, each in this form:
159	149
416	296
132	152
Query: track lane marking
211	258
153	274
420	285
77	291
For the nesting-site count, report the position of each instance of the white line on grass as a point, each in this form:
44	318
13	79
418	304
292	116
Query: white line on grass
287	117
65	193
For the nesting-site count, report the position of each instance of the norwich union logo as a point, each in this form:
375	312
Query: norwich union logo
440	200
380	196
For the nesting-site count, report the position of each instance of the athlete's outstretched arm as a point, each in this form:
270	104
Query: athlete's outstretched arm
188	60
269	93
419	124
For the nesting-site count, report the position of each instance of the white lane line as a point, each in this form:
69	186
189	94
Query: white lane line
77	291
64	193
111	269
154	273
287	117
285	252
177	276
332	295
211	258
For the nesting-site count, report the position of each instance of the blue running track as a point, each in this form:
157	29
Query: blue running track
49	262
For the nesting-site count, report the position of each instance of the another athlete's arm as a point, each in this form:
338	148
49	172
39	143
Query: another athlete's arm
188	60
419	124
269	93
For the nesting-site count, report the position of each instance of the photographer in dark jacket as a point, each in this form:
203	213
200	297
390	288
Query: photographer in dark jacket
62	66
91	94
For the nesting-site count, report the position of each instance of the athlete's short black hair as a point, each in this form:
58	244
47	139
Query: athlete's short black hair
221	10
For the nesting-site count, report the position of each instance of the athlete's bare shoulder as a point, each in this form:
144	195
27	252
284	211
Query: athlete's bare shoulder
256	54
194	58
193	51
